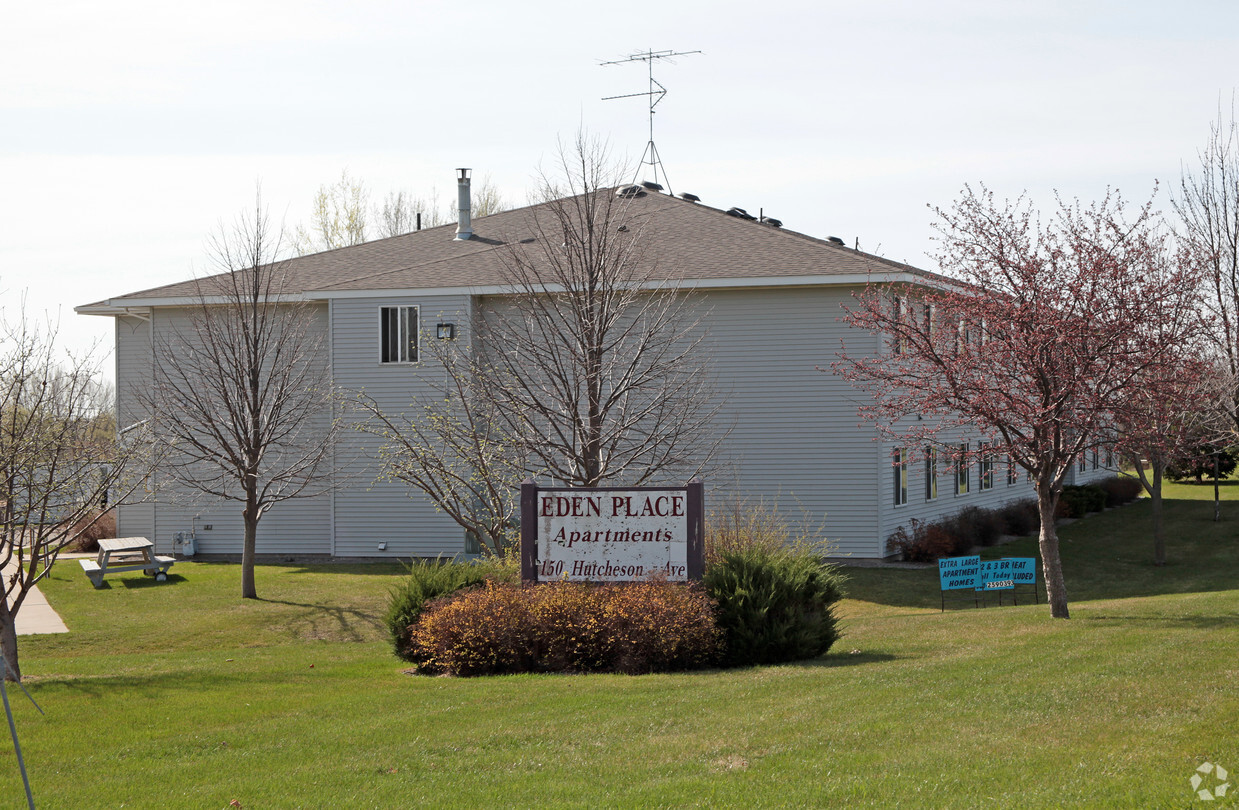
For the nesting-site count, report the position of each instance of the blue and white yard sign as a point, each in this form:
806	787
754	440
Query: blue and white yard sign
1023	570
996	576
957	573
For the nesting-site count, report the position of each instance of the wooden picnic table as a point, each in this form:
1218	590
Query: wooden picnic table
119	554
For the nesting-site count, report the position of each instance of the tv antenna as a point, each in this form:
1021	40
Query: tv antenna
650	156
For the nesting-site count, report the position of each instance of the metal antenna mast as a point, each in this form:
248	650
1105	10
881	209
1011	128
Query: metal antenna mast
650	156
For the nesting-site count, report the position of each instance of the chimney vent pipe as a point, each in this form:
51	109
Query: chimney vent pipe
464	223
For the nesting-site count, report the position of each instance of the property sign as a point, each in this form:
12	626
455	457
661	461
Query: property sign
996	576
609	534
1023	570
957	573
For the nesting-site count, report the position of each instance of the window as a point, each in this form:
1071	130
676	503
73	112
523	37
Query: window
1013	473
900	464
1096	458
901	318
931	473
987	465
1109	457
398	334
1083	462
961	470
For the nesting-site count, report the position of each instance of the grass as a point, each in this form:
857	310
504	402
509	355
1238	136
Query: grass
182	695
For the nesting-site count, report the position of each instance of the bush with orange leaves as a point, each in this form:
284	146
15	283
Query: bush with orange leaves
631	628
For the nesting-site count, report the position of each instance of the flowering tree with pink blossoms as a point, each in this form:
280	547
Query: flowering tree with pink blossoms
1035	339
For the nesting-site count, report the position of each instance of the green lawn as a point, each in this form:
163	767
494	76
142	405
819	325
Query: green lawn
182	695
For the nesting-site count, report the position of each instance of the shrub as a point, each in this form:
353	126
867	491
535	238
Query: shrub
658	627
91	529
1083	499
1020	518
741	525
428	579
974	526
1120	489
774	604
567	627
484	631
925	542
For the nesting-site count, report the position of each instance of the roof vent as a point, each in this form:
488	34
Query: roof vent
773	223
684	195
652	186
740	212
835	239
629	191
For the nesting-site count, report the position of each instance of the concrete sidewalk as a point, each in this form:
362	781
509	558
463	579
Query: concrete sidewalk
36	615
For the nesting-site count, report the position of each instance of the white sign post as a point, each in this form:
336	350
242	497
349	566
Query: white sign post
611	534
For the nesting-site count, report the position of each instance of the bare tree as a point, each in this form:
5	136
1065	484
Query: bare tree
487	200
588	368
338	219
596	361
400	210
61	464
1208	207
241	392
453	448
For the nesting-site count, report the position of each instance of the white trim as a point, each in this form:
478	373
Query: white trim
331	493
851	279
123	306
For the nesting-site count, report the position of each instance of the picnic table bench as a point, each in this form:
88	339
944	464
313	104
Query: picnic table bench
126	554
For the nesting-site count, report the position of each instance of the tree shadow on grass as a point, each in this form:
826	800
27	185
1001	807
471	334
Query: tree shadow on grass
1220	622
329	622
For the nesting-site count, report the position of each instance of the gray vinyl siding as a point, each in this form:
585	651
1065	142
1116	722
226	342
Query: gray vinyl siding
297	526
369	511
133	366
948	501
796	441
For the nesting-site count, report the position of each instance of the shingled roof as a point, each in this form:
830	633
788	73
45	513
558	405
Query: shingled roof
691	243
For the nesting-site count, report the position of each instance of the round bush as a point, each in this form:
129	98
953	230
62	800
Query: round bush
631	628
774	605
428	579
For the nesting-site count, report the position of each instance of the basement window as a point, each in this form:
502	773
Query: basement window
398	330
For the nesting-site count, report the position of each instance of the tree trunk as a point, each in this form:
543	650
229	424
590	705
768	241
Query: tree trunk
1051	562
1217	500
8	637
1153	486
249	546
1155	495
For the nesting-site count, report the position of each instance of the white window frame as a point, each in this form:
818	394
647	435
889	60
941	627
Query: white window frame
931	473
963	483
900	465
986	467
401	347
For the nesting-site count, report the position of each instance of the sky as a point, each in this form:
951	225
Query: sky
130	130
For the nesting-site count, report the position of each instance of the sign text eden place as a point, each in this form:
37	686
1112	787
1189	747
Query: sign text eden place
610	534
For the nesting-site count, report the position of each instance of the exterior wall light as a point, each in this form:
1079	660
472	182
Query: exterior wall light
445	331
